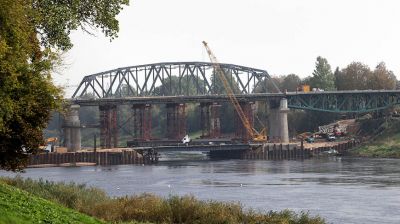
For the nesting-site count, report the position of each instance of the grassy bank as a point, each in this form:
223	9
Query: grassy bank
150	208
385	143
18	206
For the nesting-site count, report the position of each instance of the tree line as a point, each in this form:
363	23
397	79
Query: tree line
355	76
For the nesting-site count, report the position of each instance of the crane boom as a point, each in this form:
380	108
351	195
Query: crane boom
231	95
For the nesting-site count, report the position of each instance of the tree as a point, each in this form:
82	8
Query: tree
337	75
354	77
358	76
322	76
32	35
382	78
290	83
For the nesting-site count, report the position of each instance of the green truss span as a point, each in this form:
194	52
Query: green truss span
344	101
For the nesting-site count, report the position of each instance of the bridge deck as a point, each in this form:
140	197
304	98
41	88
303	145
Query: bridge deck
202	148
356	101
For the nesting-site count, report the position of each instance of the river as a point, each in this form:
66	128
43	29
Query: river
342	190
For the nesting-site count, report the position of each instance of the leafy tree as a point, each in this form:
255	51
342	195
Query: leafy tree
290	83
32	34
354	77
382	78
358	76
322	76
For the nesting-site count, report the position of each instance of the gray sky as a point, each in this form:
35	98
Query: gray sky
281	37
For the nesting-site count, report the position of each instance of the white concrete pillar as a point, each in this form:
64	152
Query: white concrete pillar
283	125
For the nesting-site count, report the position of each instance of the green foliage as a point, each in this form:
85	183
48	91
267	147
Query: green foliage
150	208
71	195
54	20
290	83
382	78
354	76
359	76
18	206
322	76
26	91
32	34
386	140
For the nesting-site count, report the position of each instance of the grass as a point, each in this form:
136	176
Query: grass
18	206
151	208
386	144
196	134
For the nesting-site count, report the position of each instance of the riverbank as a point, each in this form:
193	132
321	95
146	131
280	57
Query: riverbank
19	206
385	143
144	207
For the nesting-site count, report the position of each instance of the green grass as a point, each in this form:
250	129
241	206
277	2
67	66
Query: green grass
147	208
385	144
19	206
196	134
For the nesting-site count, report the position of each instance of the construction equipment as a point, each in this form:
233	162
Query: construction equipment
304	88
254	134
49	142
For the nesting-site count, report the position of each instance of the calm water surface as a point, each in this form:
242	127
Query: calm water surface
342	190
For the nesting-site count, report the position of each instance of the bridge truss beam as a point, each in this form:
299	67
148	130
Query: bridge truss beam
344	102
172	79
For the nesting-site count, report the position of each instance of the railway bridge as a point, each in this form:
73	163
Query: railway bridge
175	84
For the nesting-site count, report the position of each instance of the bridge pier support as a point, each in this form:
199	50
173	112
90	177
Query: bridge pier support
278	123
108	126
209	120
142	121
240	130
72	129
176	120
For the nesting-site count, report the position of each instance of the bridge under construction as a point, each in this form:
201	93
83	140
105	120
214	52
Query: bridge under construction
175	84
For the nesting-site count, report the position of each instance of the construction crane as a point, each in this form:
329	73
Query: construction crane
253	133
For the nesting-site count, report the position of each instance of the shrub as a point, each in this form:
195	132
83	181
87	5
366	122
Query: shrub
151	208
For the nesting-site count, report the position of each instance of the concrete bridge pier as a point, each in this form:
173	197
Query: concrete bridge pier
209	120
108	126
176	121
278	123
72	129
142	121
283	121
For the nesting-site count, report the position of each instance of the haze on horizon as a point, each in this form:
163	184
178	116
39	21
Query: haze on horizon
282	37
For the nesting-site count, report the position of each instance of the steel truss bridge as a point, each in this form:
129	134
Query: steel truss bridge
185	82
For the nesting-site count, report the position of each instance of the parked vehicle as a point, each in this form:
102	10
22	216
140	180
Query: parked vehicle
331	138
310	139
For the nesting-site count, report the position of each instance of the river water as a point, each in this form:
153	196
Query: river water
342	190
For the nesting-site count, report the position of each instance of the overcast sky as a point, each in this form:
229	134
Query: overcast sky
281	37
